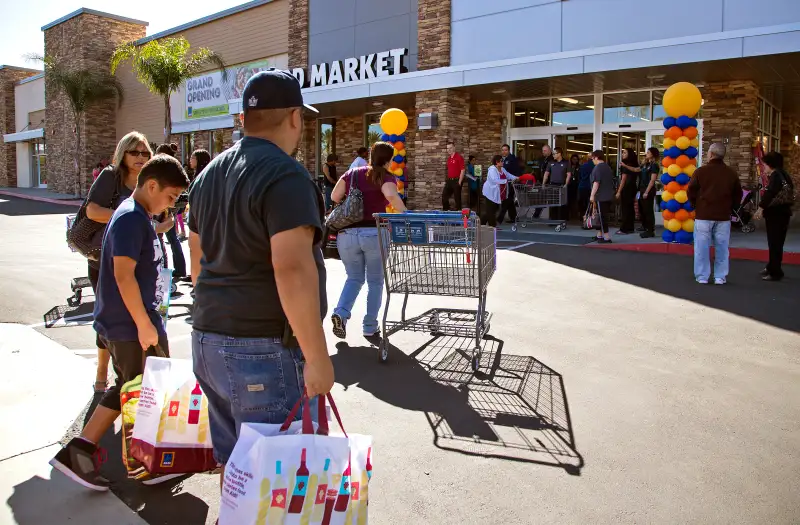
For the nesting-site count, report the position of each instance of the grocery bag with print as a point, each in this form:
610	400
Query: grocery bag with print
129	399
287	474
171	434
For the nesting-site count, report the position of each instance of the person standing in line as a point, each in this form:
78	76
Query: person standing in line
455	178
361	158
126	309
511	165
626	193
547	158
585	184
572	188
713	191
495	189
255	244
474	183
358	244
776	209
647	192
113	184
602	195
329	171
557	173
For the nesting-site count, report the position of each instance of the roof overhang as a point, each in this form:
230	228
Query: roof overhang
24	136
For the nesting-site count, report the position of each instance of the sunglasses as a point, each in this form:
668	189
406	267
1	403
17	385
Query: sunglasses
137	153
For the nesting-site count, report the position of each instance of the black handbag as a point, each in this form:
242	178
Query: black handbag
82	234
785	195
330	248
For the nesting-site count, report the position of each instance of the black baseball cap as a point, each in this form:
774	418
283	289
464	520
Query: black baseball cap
273	89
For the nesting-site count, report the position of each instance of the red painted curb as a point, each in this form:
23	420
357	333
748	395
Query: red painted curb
743	254
41	199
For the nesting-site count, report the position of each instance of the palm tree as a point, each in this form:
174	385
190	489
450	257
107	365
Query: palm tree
164	65
83	88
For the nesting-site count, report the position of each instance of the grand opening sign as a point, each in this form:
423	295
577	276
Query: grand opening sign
365	67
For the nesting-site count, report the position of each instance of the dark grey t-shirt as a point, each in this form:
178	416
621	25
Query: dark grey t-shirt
602	173
558	171
245	196
102	194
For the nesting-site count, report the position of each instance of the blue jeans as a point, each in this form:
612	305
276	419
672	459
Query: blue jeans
178	261
707	234
360	253
246	380
328	199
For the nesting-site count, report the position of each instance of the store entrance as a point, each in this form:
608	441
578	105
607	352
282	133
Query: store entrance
572	144
530	152
615	141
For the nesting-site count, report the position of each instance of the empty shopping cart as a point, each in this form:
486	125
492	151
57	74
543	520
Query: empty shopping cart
531	198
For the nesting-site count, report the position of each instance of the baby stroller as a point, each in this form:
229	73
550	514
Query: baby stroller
742	215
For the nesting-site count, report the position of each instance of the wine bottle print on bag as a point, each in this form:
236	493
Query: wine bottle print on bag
277	507
195	404
363	499
321	495
300	486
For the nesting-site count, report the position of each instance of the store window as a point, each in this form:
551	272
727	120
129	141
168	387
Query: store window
326	136
531	113
372	129
573	111
216	142
626	108
38	163
769	125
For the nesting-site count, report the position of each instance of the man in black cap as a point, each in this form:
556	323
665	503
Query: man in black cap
258	270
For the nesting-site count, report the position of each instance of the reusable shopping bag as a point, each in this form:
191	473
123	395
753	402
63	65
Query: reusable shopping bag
171	434
287	474
129	399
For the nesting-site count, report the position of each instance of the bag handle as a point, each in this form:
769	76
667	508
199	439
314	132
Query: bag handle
322	415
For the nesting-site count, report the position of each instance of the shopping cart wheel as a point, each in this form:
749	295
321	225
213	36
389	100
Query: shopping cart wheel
173	288
383	351
559	228
524	224
476	359
748	228
513	227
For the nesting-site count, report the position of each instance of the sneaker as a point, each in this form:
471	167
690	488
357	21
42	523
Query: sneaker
80	461
374	333
605	241
719	281
702	281
647	235
641	229
154	479
339	326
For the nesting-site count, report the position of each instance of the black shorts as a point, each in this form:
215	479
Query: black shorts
127	358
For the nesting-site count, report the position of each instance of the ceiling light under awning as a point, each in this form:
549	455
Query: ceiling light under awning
569	100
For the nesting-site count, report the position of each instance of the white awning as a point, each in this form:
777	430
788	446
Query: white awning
23	136
202	124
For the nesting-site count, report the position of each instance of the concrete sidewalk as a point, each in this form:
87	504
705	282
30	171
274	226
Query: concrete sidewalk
45	387
42	195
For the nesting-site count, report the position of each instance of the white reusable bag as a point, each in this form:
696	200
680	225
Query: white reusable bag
286	474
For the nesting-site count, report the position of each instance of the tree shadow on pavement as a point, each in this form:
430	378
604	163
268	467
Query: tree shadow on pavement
516	409
745	294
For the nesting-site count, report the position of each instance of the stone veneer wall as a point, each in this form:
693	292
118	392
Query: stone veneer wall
485	131
8	152
298	33
790	128
84	41
433	27
731	112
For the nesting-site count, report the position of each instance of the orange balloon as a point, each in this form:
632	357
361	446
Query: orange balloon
692	214
690	133
681	215
673	133
668	215
667	162
683	161
684	187
393	166
673	187
399	146
402	165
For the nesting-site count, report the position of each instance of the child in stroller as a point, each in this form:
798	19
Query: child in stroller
742	215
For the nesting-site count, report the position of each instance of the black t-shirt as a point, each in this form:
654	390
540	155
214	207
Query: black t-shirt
632	179
246	195
334	176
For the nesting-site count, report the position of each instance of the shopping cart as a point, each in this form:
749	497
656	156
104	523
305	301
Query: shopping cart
437	253
531	198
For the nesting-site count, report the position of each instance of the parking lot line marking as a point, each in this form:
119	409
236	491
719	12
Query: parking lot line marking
514	248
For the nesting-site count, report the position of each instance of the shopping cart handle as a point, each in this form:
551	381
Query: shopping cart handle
432	215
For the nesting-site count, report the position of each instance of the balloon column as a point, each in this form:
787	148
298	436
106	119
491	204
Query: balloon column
682	102
394	123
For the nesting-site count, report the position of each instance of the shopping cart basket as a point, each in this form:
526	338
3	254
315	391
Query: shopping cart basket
437	253
531	197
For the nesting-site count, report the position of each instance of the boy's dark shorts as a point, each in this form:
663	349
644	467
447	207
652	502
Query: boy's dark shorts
127	359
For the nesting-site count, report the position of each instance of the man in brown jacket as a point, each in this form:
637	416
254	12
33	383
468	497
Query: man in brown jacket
713	191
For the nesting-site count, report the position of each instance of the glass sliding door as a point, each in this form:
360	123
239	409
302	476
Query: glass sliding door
575	144
530	151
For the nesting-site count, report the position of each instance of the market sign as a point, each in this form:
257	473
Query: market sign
365	67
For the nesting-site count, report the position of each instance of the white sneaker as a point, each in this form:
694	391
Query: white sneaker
719	281
702	281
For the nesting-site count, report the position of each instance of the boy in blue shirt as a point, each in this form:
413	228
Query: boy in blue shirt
126	310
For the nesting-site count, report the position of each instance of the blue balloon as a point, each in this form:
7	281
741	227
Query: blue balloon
401	138
687	206
392	138
683	237
683	122
682	179
398	158
666	179
669	122
673	152
673	205
691	152
663	206
667	236
693	122
385	138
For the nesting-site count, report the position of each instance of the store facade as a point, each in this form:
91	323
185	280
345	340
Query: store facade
23	154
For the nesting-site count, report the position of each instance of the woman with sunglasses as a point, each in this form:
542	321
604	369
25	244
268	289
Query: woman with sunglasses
113	185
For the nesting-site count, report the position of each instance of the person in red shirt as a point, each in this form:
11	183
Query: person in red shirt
455	178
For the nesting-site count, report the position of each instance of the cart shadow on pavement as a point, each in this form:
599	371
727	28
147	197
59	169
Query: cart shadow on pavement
64	315
515	408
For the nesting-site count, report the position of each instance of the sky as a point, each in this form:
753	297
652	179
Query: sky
22	20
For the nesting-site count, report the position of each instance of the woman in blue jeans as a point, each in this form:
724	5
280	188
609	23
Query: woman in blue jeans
358	243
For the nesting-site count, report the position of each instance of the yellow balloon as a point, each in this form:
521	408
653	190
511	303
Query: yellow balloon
681	196
688	225
667	196
690	169
674	170
668	143
683	142
673	225
681	99
695	142
402	153
396	152
398	172
394	122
